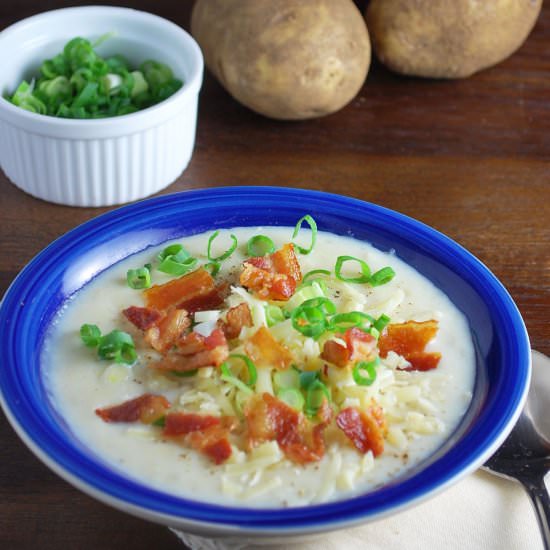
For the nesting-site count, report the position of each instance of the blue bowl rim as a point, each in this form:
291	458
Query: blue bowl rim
150	504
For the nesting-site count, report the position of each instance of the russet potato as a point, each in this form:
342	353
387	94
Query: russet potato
448	38
285	59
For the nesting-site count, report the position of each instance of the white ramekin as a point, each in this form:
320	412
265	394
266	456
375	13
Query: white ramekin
104	161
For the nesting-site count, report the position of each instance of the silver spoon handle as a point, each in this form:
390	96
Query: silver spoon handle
541	503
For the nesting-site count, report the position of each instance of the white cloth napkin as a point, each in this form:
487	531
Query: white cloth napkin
481	512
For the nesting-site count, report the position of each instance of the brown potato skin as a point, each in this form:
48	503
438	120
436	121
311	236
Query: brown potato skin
448	38
285	59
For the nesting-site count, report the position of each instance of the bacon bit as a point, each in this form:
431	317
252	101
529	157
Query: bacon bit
166	332
285	261
212	442
336	353
269	418
146	408
365	429
360	346
179	423
263	349
275	276
195	351
206	434
142	317
215	339
237	318
409	340
195	291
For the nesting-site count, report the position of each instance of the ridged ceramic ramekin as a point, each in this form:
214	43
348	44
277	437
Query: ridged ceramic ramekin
107	161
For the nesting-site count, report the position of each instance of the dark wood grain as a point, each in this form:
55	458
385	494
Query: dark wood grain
470	158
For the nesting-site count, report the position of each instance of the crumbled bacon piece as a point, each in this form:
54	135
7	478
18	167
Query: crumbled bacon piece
264	350
207	434
180	423
275	276
269	418
212	442
195	291
365	429
166	332
236	318
142	317
194	351
360	346
146	409
409	340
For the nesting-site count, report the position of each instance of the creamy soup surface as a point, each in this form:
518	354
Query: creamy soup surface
414	411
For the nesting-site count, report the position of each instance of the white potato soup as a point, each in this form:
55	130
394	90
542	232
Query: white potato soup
261	366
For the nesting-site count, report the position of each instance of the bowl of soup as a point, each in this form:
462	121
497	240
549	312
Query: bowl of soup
257	362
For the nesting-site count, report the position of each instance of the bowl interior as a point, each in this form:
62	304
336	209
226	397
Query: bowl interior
498	333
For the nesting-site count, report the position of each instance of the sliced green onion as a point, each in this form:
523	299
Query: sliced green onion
364	373
381	323
316	393
225	254
314	272
184	373
323	304
174	250
310	318
160	422
313	226
342	321
307	377
138	278
175	260
117	346
310	322
273	315
288	378
382	276
173	267
292	397
213	267
90	335
260	245
228	376
365	270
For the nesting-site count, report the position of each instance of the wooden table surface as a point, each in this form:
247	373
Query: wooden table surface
470	158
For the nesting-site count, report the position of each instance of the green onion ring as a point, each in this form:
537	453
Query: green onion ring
224	255
117	346
138	278
382	276
213	267
365	367
292	397
260	245
316	391
381	323
228	376
313	226
365	270
90	335
310	322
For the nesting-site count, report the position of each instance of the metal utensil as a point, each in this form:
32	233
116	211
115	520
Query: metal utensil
525	455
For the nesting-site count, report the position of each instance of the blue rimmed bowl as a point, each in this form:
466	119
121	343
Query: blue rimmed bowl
73	260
